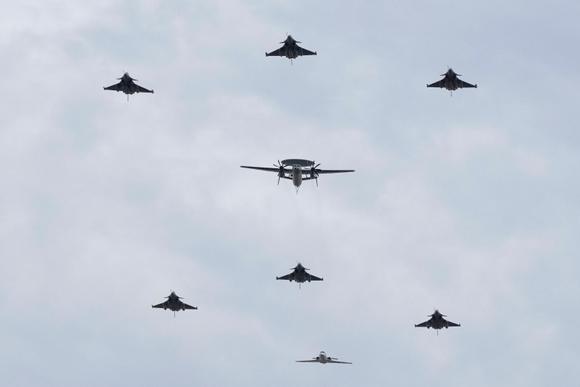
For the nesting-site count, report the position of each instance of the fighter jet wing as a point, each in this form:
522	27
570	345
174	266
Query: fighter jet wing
163	305
185	306
425	324
464	84
141	89
303	51
286	277
338	362
115	87
452	324
325	171
440	83
261	168
279	52
314	278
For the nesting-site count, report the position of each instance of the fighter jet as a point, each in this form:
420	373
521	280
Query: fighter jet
174	304
300	275
437	322
128	86
298	170
451	81
323	359
290	49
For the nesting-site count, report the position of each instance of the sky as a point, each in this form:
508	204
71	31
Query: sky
467	203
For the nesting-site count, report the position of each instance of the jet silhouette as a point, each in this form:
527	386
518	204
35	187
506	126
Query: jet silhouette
437	322
128	86
174	304
300	275
451	81
322	358
290	49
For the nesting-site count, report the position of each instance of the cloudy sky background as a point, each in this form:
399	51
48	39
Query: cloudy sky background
466	203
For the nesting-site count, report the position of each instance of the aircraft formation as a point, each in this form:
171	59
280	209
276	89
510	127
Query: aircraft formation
298	171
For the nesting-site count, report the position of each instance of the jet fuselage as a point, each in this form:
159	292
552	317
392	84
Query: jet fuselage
451	80
300	274
322	358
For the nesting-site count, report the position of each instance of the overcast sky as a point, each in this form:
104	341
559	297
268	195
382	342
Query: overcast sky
466	203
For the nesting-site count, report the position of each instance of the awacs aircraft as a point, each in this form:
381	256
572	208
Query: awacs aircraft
299	275
298	170
128	86
323	359
290	49
174	304
437	322
451	81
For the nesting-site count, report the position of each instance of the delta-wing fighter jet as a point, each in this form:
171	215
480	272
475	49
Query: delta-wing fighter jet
298	170
451	81
290	49
322	358
300	275
174	304
437	321
128	86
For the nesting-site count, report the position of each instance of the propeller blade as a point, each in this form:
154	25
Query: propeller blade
278	180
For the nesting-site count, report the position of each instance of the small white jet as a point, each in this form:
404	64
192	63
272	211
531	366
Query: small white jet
322	358
298	170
